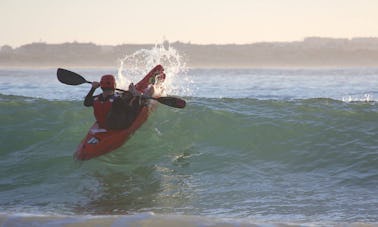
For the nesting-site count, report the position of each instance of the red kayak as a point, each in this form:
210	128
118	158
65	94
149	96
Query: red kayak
100	141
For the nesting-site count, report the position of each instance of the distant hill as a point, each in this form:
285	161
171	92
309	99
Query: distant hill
311	52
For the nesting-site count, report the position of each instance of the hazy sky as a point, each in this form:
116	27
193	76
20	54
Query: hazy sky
196	21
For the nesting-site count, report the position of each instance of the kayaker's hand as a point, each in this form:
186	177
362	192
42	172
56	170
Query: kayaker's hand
95	84
133	90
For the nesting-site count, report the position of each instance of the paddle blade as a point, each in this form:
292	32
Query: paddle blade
172	101
67	77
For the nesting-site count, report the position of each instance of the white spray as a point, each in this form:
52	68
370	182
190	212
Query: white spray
135	66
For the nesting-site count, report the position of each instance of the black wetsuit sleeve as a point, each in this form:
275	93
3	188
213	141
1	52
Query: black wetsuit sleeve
88	101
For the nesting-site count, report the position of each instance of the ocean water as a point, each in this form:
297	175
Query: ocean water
253	147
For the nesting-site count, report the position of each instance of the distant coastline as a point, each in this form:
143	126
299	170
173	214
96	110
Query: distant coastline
310	52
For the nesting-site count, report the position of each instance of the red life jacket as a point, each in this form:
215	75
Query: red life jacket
101	109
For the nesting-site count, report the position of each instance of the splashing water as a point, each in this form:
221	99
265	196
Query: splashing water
134	66
355	98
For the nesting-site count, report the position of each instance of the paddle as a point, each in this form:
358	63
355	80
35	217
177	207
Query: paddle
71	78
67	77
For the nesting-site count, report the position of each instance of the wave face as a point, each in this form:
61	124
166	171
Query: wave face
304	160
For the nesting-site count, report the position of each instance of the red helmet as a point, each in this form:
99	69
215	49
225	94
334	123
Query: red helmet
108	82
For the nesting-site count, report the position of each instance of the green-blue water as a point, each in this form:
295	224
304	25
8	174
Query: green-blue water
308	160
253	147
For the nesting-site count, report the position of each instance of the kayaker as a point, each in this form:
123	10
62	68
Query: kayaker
102	103
113	110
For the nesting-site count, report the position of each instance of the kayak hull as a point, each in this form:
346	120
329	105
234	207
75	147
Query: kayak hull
97	143
100	141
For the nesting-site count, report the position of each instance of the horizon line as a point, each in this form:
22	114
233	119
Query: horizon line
189	42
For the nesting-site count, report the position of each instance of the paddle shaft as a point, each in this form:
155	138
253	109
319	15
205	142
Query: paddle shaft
72	78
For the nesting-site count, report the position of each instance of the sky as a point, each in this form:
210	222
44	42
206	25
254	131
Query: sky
114	22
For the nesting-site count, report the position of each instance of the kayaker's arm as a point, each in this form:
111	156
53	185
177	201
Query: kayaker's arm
88	101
